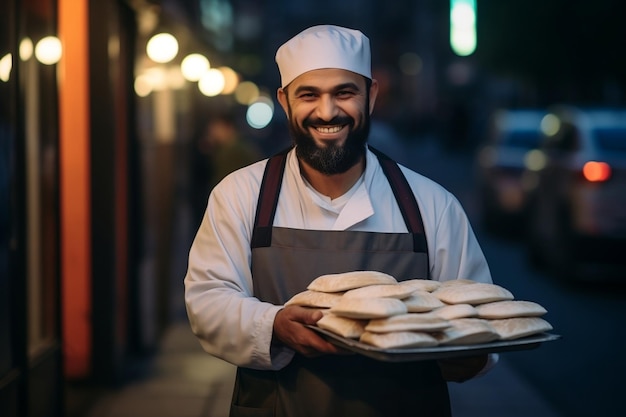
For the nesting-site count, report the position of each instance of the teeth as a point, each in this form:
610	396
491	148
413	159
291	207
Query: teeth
331	129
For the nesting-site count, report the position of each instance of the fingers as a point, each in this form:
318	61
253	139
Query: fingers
290	329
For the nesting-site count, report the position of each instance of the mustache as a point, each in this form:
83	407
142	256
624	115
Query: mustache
337	120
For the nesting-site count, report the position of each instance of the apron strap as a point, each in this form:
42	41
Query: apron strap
268	199
406	200
272	181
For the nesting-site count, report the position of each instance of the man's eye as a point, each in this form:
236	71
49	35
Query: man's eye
345	93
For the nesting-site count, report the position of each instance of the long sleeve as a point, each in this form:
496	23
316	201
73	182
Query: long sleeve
225	316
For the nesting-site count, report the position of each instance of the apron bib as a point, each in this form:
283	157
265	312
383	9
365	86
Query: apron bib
284	262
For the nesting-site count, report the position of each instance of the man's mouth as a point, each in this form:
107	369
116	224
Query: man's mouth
328	129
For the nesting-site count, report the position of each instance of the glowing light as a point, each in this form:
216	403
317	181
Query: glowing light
246	93
162	48
463	26
535	160
594	171
212	83
194	66
48	50
6	63
231	79
26	49
550	125
143	86
260	114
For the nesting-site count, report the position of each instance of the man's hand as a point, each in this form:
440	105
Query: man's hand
462	369
290	329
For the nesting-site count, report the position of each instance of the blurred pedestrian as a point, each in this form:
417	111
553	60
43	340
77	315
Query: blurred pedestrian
220	150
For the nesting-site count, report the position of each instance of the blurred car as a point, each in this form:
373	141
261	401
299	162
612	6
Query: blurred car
500	167
577	206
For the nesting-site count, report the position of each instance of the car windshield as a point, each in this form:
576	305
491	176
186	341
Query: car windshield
525	139
611	139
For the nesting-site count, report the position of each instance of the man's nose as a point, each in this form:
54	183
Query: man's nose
327	108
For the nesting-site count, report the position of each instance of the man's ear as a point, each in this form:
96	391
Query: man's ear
373	94
281	95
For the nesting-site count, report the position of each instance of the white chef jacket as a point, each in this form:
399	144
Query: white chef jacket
224	314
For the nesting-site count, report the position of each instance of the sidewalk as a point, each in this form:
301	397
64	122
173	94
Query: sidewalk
183	381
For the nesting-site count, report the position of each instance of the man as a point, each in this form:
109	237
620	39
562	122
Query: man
329	205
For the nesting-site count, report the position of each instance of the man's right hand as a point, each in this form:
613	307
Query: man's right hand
290	329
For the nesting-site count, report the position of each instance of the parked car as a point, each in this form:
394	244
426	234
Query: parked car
577	207
500	167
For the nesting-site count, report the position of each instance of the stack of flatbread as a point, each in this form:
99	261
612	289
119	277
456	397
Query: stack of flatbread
376	309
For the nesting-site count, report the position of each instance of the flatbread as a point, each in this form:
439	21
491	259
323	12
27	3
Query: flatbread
348	280
422	301
310	298
455	282
427	285
455	311
343	326
474	294
510	308
398	339
467	331
375	291
421	322
515	328
368	308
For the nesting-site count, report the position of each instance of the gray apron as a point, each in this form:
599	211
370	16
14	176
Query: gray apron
284	262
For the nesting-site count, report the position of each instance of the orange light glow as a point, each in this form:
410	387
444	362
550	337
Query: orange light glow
75	193
594	171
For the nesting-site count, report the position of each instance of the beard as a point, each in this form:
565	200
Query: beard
331	158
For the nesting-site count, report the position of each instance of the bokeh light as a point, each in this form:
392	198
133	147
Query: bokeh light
246	93
550	125
212	83
26	49
162	48
48	50
231	79
260	113
194	66
6	64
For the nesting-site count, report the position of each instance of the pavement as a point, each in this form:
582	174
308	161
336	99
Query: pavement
181	380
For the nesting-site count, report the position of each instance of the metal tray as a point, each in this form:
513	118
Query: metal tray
436	352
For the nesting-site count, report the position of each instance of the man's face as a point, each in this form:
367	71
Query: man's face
329	118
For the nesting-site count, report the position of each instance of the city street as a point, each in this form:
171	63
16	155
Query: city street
582	373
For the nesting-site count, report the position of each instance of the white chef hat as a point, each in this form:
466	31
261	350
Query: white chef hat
324	46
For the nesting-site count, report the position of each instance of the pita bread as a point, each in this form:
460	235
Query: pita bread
467	331
398	339
510	308
310	298
421	322
427	285
515	328
349	280
455	311
343	326
477	293
422	301
368	308
377	291
455	282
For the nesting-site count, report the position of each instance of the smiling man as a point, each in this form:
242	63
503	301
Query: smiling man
329	204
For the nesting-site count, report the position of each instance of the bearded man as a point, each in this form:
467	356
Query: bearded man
329	204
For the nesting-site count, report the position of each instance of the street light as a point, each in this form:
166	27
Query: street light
463	26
